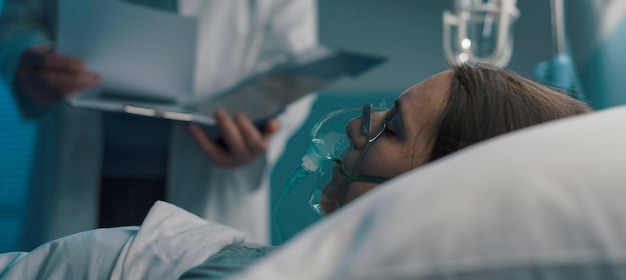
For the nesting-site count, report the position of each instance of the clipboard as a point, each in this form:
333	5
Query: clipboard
261	96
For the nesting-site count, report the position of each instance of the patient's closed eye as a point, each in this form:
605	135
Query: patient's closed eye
394	124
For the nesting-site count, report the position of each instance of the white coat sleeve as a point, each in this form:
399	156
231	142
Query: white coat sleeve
23	24
292	28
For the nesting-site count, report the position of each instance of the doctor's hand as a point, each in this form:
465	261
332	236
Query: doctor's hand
244	142
46	76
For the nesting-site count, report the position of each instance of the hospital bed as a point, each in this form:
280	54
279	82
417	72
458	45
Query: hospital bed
546	202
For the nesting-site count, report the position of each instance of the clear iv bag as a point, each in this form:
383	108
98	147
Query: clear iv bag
480	31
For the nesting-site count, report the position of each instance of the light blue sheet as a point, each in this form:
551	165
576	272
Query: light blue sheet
169	242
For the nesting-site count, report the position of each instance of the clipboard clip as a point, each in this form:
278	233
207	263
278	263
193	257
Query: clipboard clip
152	112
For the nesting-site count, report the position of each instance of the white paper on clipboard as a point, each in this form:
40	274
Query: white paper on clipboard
146	59
142	52
261	96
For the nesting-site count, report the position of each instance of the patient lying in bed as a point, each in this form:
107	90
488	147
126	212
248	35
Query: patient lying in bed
439	116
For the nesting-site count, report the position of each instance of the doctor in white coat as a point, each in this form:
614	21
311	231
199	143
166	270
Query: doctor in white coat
237	38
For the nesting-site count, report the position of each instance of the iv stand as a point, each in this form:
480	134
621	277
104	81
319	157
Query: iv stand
559	71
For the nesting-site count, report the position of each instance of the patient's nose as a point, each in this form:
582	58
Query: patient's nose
354	130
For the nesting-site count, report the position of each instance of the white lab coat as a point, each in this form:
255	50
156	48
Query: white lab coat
236	39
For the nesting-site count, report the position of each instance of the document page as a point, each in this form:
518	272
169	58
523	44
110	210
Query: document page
138	51
261	96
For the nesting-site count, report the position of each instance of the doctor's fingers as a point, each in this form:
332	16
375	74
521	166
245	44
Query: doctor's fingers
47	86
235	152
255	139
243	141
215	152
45	58
271	127
233	136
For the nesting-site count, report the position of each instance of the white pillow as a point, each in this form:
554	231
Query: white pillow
544	202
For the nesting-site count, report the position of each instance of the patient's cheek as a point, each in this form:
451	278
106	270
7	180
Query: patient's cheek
330	194
330	200
328	208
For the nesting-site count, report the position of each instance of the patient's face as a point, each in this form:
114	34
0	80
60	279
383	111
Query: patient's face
405	145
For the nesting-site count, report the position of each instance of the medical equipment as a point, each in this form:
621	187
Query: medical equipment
320	193
480	31
559	71
330	144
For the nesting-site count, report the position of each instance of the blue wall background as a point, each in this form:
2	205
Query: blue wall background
16	146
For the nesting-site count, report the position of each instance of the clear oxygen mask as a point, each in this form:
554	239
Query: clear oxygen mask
329	146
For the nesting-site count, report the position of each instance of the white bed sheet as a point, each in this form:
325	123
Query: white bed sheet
169	242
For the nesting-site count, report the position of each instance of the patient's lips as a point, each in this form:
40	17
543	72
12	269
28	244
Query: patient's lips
332	193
